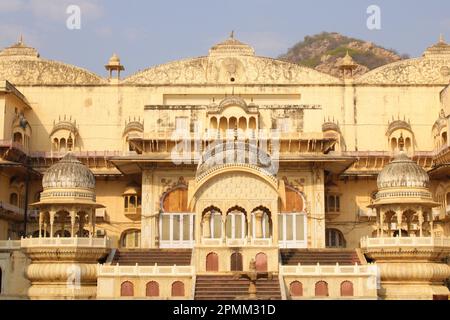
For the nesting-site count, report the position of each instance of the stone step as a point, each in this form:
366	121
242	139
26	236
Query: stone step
225	287
149	257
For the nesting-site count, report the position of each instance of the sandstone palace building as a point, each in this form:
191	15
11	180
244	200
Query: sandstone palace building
226	176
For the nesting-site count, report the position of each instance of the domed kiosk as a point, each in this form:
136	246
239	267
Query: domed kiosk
407	251
64	260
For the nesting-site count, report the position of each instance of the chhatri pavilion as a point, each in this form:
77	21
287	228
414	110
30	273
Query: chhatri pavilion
225	176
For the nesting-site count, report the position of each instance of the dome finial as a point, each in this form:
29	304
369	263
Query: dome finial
441	38
232	34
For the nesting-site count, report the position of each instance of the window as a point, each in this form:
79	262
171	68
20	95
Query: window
347	289
334	238
14	199
321	289
127	289
18	138
131	239
296	289
236	225
266	226
216	225
332	203
152	289
292	230
178	289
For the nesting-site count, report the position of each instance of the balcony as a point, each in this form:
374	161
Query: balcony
247	241
65	242
386	242
133	212
11	212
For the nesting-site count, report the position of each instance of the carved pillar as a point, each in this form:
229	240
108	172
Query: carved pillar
224	234
381	223
430	214
92	220
318	211
420	218
40	223
52	221
399	222
149	211
258	224
73	215
206	225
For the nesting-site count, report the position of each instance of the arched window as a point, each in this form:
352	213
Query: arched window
292	223
131	239
243	124
334	238
347	289
321	289
55	144
261	262
232	123
18	138
236	224
127	289
216	225
152	289
178	289
14	199
212	262
393	144
252	123
62	145
444	138
236	262
213	123
296	289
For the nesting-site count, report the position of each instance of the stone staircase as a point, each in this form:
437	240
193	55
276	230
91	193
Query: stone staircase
322	256
148	257
224	287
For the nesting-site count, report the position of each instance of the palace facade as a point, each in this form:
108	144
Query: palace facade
204	177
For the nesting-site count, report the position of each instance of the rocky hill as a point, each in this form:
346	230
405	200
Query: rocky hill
324	51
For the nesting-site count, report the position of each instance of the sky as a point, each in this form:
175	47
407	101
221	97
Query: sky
147	33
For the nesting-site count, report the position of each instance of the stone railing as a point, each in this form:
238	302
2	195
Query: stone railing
66	242
248	241
10	244
11	208
144	271
11	144
327	270
405	241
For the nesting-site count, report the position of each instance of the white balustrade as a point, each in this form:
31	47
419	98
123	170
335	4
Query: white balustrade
66	242
329	270
10	244
405	241
144	271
